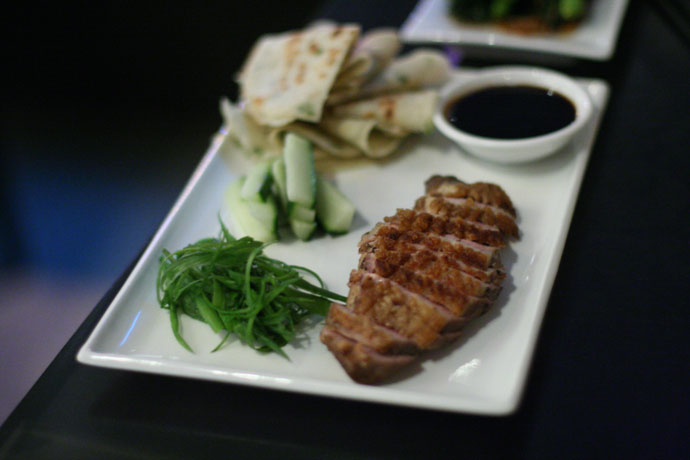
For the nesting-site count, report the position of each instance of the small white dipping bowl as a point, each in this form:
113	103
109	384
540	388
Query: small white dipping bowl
514	150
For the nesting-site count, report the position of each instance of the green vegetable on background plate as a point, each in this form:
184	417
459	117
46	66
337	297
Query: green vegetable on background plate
551	12
231	285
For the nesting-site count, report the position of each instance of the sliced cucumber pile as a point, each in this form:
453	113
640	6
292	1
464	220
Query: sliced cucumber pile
261	225
333	210
300	174
257	186
289	189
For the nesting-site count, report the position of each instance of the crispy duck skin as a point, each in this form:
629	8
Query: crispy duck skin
480	192
395	307
474	254
362	363
363	329
420	221
451	297
429	265
491	275
366	343
468	209
423	274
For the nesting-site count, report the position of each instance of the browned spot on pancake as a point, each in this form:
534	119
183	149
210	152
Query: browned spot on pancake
299	79
336	31
333	54
388	108
258	101
314	48
292	49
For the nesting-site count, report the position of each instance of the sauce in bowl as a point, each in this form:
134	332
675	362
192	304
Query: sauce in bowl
510	112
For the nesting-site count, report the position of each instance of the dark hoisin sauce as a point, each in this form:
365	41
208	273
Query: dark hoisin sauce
510	112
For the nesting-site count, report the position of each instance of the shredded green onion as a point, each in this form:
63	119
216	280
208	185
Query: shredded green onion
232	286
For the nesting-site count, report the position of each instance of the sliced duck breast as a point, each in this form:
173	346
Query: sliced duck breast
364	329
480	192
468	209
391	305
362	363
421	221
470	252
423	274
425	256
429	265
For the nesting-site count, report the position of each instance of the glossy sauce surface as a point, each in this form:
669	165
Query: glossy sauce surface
510	112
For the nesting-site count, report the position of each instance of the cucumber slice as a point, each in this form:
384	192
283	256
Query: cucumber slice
303	230
261	230
266	213
300	175
333	210
278	173
257	187
299	212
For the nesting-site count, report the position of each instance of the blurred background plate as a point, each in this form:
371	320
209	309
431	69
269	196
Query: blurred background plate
595	38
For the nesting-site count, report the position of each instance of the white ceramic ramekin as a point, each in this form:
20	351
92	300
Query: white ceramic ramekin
514	150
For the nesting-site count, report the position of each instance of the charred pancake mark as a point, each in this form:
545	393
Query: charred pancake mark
314	48
299	79
292	49
387	106
333	55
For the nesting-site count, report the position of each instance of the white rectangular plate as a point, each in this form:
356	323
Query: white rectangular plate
483	373
595	38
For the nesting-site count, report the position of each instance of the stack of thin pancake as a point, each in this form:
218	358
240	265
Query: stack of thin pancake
349	95
423	274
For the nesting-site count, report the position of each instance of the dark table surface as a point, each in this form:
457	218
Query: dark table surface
610	374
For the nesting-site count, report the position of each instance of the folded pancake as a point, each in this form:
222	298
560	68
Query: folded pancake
324	143
371	55
243	130
415	70
288	80
409	111
264	140
366	135
287	77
